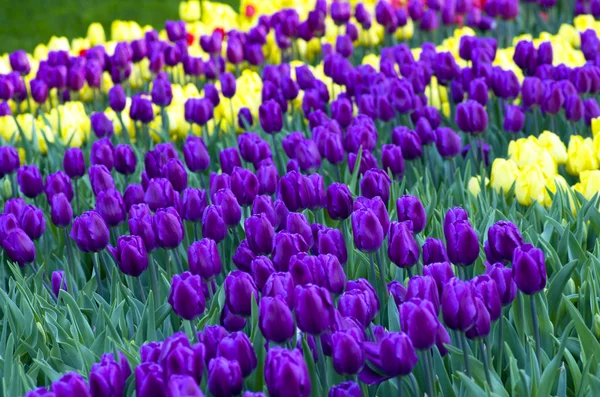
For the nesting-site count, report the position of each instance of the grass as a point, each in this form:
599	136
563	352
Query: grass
26	23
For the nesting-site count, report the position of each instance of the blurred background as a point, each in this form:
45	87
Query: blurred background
26	23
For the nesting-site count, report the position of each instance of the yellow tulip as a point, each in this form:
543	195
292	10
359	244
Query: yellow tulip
584	22
58	43
570	34
525	151
504	174
474	185
531	186
406	32
590	183
371	59
554	145
78	45
595	126
22	155
40	52
95	34
580	155
189	11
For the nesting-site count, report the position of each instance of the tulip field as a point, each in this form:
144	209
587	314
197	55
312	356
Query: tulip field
297	198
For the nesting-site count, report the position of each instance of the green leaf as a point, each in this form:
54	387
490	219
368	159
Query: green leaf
354	178
393	316
549	373
312	370
557	286
586	338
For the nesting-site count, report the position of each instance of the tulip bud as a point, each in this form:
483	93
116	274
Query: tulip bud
32	221
410	208
186	296
58	281
418	318
30	181
348	353
458	305
193	204
281	364
100	179
313	309
529	269
90	232
168	228
231	210
140	224
224	377
462	243
239	290
204	259
229	159
130	255
403	250
397	354
195	154
111	207
259	234
507	289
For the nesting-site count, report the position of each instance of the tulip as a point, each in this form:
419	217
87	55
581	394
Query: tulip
397	354
481	326
296	191
176	174
58	281
101	125
529	269
447	142
275	319
441	272
149	380
193	204
503	238
339	201
71	384
253	148
244	118
130	255
391	157
140	223
514	119
458	305
507	289
410	208
73	163
313	309
90	232
230	321
574	109
228	84
462	243
125	159
15	207
350	388
117	99
331	241
224	377
100	179
19	62
32	221
359	305
471	117
409	141
367	230
61	211
39	90
102	153
286	373
243	256
244	185
231	210
183	385
239	290
204	259
237	347
376	183
348	353
487	290
160	194
30	181
141	109
19	247
229	159
58	182
111	207
259	234
168	228
418	318
186	296
403	250
267	176
270	116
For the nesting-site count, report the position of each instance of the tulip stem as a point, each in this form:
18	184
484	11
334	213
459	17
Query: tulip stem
277	155
195	330
154	277
428	372
500	345
373	275
142	292
381	274
178	261
400	388
70	264
196	238
97	272
321	362
486	365
536	331
77	207
465	347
